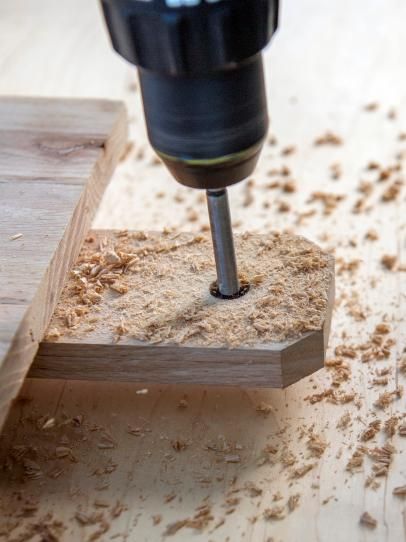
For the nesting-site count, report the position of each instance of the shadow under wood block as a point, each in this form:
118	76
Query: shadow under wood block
137	307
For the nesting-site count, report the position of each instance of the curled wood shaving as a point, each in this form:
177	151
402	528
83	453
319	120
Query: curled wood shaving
402	430
293	502
274	512
399	491
387	397
316	445
356	460
329	138
199	521
344	421
371	431
367	520
301	471
389	262
390	425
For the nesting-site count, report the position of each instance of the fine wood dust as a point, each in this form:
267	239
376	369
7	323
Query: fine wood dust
154	288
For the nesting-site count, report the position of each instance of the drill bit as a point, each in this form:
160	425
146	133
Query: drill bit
220	222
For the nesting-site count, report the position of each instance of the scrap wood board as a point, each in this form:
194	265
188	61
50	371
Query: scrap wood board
126	461
56	157
137	307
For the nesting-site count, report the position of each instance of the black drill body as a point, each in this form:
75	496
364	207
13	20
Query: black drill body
202	83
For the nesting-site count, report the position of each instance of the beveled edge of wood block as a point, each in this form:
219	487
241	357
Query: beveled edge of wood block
306	355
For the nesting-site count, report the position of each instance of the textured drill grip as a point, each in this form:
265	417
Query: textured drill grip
194	39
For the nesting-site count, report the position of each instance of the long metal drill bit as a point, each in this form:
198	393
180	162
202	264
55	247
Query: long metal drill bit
223	244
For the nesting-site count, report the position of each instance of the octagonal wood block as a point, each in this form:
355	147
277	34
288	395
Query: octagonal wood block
140	326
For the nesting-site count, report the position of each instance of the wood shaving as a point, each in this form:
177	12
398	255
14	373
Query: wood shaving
329	138
356	460
48	424
293	502
15	237
382	329
277	496
372	106
367	520
372	235
179	445
199	521
289	300
336	171
45	529
232	458
390	426
329	200
392	192
253	490
399	491
389	262
347	266
289	186
402	430
118	509
183	404
344	421
380	381
248	193
387	397
346	351
402	365
382	458
283	207
287	151
301	471
392	114
316	445
284	171
386	173
264	408
104	526
274	512
372	429
366	188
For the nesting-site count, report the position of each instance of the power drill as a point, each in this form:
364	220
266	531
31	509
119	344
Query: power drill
202	83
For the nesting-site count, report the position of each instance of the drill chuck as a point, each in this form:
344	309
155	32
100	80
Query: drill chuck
201	78
208	128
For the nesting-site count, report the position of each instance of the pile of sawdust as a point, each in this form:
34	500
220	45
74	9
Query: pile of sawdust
154	287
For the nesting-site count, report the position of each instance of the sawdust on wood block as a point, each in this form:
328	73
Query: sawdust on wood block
154	287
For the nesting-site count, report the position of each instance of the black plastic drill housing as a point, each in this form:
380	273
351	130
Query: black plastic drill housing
201	78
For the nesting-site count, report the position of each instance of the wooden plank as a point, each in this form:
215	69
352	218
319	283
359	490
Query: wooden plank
51	180
170	276
328	60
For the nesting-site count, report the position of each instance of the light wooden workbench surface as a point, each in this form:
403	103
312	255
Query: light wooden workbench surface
327	61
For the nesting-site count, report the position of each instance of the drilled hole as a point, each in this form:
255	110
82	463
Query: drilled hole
215	292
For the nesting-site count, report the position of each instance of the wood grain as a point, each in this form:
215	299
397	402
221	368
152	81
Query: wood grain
56	157
327	61
274	366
